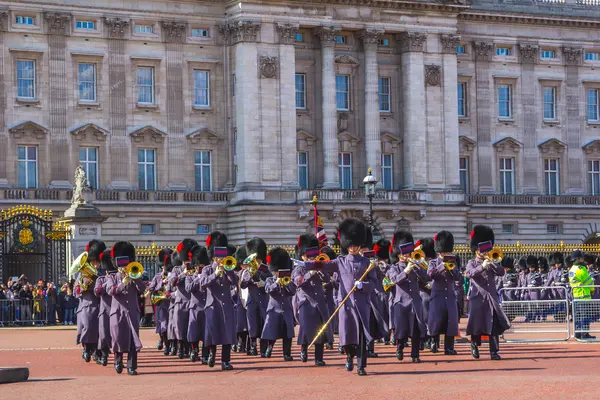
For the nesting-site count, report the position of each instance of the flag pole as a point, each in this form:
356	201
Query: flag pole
314	204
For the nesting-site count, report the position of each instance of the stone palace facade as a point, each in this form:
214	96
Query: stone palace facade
190	116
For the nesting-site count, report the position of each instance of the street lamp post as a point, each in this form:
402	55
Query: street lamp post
370	182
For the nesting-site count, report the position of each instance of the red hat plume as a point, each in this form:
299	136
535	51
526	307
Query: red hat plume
112	252
391	249
472	234
435	237
208	239
189	255
418	243
87	247
376	248
167	259
269	259
179	247
101	255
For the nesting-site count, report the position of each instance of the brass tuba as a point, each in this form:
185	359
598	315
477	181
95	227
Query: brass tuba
252	264
134	270
82	266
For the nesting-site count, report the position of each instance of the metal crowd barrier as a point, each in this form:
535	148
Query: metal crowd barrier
543	320
586	316
19	312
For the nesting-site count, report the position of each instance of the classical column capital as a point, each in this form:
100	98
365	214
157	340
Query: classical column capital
412	41
287	33
174	32
449	43
240	31
370	37
116	28
326	35
573	55
528	53
433	75
57	23
3	21
482	51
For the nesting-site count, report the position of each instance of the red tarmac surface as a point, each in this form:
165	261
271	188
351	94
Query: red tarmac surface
527	371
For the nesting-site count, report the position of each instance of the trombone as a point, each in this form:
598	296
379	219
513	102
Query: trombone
284	279
495	255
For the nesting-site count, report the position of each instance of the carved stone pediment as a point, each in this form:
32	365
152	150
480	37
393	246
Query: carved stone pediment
89	131
346	59
466	144
304	140
348	141
552	146
153	133
508	144
390	142
203	134
29	128
592	147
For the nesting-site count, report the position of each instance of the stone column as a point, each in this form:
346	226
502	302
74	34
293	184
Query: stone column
413	100
3	130
331	179
287	105
484	101
370	40
573	57
174	35
58	26
120	143
451	145
531	153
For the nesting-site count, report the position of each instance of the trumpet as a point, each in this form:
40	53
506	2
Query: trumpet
286	280
495	255
450	266
134	270
322	257
284	277
387	284
228	263
157	297
87	270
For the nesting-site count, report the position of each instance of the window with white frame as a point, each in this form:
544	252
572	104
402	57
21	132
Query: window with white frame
148	229
548	54
345	170
144	29
508	229
88	159
504	101
26	85
300	91
462	104
594	177
507	176
146	169
87	82
592	105
553	228
200	32
460	49
25	20
201	88
303	169
87	25
342	92
203	170
463	172
592	56
341	39
549	103
27	166
384	95
503	51
202	229
145	85
387	171
551	176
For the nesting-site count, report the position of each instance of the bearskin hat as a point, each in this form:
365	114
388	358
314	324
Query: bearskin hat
543	263
400	238
522	263
240	256
185	248
278	259
165	259
479	234
200	256
231	249
382	249
217	239
258	246
106	261
508	262
589	258
94	248
556	258
368	244
568	262
353	232
532	261
123	249
444	242
329	251
175	260
305	241
427	245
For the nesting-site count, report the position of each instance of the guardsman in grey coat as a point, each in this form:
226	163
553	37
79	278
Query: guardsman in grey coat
331	289
443	314
104	338
408	317
197	318
89	305
172	280
253	290
219	310
354	320
382	255
159	286
125	309
427	245
486	316
279	323
181	313
243	344
312	305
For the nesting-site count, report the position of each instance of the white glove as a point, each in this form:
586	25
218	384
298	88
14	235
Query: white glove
277	280
261	283
409	268
358	284
485	264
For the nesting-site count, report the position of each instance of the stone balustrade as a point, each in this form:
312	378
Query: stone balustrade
541	200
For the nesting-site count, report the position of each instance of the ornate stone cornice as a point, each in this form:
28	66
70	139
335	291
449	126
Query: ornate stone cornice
240	31
287	33
528	20
412	41
370	37
116	28
440	6
268	67
529	53
326	35
482	51
3	21
433	75
449	43
573	55
174	32
57	23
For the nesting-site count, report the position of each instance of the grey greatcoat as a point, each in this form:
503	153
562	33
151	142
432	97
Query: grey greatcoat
197	321
87	314
443	309
124	312
181	314
380	308
279	310
356	311
407	306
257	300
219	309
104	339
162	308
313	310
484	306
172	289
